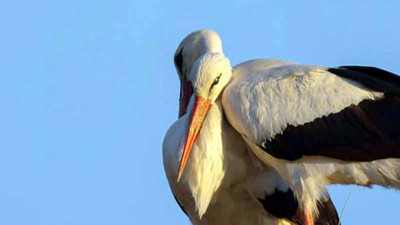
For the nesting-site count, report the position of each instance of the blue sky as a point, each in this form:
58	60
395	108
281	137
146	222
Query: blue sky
88	90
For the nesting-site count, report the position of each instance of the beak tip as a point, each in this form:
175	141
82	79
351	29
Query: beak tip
179	177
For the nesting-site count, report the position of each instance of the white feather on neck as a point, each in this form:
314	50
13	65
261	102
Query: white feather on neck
205	168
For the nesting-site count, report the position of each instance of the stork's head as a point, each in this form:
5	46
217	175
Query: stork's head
192	46
209	75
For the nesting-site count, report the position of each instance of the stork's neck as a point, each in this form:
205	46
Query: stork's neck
205	168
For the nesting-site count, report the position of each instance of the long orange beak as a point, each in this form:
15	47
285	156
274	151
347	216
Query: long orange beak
200	110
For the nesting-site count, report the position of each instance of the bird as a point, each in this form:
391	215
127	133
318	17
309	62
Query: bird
247	191
314	125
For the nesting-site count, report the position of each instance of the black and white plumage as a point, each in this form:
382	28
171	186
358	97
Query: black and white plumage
338	111
318	126
223	184
314	125
237	190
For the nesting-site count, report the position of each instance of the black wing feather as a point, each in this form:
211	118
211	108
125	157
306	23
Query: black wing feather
367	131
372	77
285	205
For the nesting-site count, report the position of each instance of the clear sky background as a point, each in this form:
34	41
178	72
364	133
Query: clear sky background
88	90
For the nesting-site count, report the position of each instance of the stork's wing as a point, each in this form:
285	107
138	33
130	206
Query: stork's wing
267	186
347	113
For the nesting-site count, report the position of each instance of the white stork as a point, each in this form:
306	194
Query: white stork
314	125
222	181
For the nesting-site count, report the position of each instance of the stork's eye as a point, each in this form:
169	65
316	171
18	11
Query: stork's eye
216	81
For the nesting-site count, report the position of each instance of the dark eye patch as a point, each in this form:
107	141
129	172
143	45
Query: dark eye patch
215	81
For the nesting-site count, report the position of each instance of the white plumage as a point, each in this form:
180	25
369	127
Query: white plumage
215	186
214	189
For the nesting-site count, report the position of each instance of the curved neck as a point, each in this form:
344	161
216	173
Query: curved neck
194	45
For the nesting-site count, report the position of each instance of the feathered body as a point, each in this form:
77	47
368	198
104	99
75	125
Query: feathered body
215	187
316	127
